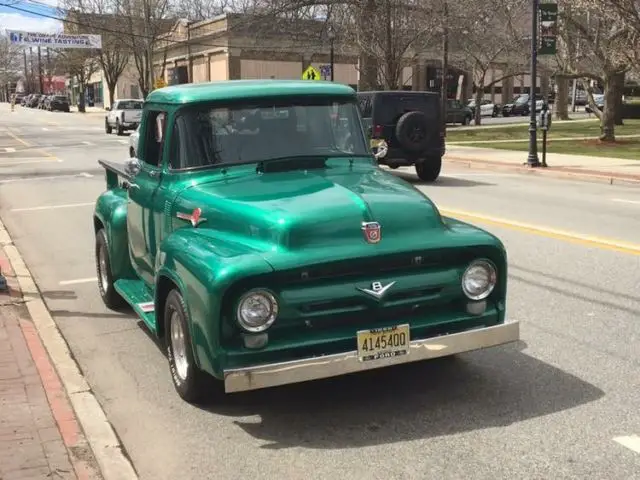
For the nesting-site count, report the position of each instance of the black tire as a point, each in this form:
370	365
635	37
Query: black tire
467	120
132	153
119	129
429	169
412	131
107	127
495	112
110	296
193	385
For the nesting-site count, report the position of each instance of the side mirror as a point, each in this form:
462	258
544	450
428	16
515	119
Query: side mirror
381	150
132	166
107	109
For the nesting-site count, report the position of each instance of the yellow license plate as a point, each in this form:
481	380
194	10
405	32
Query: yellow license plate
383	343
375	142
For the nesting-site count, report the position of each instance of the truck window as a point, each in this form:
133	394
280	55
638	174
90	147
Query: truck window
154	138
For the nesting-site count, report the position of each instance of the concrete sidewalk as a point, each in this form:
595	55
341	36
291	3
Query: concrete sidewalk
581	167
39	434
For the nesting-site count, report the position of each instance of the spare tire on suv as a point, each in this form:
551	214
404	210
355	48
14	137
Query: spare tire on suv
412	131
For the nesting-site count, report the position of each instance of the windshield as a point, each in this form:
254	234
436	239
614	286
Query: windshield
265	130
60	98
522	99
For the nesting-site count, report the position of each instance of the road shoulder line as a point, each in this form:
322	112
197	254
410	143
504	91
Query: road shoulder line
548	232
100	435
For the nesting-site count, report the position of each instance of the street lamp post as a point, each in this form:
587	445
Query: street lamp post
532	159
332	37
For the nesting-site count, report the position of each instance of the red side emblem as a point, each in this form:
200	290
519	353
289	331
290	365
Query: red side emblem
195	217
371	231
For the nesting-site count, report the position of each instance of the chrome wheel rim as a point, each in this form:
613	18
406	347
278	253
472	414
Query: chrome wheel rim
178	347
102	262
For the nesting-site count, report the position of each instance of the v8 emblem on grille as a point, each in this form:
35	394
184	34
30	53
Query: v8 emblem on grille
377	290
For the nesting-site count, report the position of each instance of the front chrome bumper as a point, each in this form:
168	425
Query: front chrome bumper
274	374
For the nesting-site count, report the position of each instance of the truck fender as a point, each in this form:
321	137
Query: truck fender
110	213
189	260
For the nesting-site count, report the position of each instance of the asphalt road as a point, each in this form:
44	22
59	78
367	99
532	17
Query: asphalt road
549	407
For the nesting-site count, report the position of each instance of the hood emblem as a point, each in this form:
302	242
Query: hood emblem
377	290
194	217
371	232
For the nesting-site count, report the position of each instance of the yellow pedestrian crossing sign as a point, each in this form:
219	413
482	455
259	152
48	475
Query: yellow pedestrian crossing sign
311	74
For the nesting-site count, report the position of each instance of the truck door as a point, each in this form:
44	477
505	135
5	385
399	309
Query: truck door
142	196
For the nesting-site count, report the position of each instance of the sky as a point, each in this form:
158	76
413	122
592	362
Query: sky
11	18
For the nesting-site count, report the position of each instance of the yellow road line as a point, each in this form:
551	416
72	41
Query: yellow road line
18	139
27	144
572	237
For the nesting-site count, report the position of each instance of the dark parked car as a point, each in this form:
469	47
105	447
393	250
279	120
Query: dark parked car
520	105
58	103
411	125
457	112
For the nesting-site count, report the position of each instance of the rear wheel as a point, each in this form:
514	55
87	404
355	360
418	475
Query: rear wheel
107	127
190	382
119	129
110	296
429	169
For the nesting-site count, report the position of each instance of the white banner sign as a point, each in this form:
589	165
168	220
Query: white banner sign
54	40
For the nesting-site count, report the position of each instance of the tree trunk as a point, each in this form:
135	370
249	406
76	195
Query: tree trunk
81	100
562	99
611	92
479	94
620	79
112	91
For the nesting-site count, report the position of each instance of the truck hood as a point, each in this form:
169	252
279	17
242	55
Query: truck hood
314	210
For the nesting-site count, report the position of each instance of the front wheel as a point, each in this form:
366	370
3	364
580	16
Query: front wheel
110	296
107	127
429	169
119	128
189	381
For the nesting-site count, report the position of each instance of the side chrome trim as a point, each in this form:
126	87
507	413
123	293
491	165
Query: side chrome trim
295	371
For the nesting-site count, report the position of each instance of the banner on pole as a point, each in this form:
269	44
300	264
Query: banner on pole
548	28
54	40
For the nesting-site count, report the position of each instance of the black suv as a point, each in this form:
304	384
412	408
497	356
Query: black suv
411	125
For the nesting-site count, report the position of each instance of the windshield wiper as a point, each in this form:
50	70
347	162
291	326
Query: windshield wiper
301	162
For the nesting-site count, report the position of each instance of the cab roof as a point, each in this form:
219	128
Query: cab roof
243	89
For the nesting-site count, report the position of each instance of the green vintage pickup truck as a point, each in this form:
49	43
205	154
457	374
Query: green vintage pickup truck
258	238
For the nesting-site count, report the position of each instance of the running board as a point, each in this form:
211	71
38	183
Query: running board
138	295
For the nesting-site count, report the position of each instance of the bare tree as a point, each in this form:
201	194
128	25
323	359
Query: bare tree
81	64
487	34
97	17
144	21
603	55
10	57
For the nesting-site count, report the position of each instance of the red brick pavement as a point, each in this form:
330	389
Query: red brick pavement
39	435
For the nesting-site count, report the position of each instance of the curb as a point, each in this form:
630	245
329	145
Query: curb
89	428
545	172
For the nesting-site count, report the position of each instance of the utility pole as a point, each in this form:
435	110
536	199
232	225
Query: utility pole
189	59
40	72
26	71
532	158
445	65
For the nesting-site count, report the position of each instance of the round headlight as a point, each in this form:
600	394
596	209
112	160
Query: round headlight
257	310
479	280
